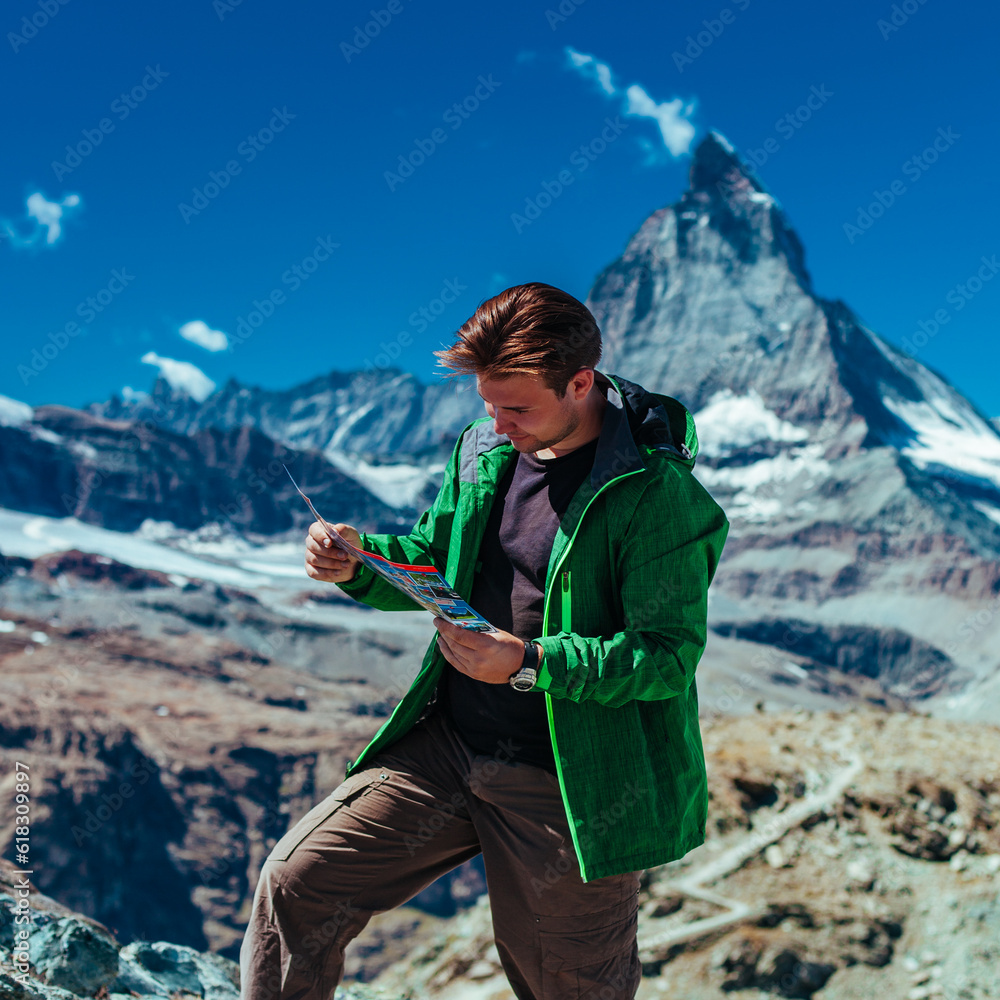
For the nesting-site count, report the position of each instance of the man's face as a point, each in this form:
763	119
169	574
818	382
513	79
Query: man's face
529	412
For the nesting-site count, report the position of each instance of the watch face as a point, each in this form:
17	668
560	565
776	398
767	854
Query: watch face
524	680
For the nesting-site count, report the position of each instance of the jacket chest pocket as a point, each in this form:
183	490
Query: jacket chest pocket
350	789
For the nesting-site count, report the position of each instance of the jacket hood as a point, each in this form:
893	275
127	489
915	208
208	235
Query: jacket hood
656	421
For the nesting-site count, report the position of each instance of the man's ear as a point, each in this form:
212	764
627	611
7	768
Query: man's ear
581	383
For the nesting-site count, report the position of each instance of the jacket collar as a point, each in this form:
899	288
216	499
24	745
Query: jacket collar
617	452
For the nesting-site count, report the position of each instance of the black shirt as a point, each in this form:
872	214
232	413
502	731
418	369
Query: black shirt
509	591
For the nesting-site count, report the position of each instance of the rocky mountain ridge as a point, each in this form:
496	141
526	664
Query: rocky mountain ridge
115	473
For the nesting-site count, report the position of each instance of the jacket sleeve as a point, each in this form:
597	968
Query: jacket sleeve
427	543
668	559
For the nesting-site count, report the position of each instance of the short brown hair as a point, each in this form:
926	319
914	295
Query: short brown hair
534	329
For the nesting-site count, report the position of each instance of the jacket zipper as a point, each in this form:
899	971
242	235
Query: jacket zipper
566	606
477	510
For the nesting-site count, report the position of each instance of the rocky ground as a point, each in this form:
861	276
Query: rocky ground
887	888
184	696
70	956
173	732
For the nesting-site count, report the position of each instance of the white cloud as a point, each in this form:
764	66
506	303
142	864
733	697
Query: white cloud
672	117
48	213
181	375
47	216
592	69
200	333
130	395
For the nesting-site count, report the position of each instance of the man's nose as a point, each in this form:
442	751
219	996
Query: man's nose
502	425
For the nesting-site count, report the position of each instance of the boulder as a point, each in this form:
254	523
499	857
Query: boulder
163	968
74	955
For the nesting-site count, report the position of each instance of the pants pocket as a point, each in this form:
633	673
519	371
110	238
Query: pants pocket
350	789
592	951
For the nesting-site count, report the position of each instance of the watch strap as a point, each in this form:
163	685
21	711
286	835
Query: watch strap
524	679
530	658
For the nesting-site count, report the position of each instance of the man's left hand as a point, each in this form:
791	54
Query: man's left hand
490	657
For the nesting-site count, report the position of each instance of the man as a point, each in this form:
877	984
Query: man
565	746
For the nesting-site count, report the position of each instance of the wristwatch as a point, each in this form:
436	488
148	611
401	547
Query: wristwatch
524	679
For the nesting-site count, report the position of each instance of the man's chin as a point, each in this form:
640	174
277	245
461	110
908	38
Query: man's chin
526	443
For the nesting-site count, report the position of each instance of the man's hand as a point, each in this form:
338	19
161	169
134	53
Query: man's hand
326	561
485	656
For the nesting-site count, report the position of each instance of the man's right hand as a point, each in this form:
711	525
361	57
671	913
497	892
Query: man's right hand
324	560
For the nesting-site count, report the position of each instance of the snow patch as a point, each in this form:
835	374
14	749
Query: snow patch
215	540
14	413
130	395
44	434
755	497
156	531
256	566
397	485
947	436
32	535
730	423
990	510
345	428
84	450
794	668
723	142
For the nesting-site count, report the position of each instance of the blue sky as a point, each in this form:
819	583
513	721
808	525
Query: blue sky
225	157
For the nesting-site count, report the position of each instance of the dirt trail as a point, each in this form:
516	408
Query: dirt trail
732	858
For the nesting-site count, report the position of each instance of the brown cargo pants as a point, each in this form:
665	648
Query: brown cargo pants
424	806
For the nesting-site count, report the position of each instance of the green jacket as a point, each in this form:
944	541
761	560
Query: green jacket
623	630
